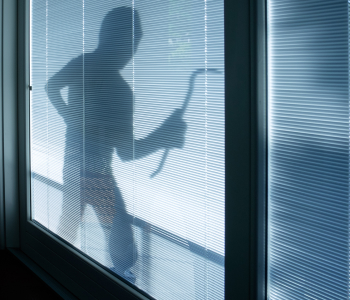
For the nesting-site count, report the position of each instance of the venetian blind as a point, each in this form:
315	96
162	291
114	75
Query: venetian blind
127	138
308	83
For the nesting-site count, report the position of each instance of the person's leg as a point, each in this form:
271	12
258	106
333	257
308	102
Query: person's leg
99	193
102	194
122	246
71	207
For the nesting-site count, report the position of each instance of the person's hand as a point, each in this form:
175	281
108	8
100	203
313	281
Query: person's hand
172	131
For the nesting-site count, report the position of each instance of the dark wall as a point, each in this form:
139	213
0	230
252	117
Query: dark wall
19	282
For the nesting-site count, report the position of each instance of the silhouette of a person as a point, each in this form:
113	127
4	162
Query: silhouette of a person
99	119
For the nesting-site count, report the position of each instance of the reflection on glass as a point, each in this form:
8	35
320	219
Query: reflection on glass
127	131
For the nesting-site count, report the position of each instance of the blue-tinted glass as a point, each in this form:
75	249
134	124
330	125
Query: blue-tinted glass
127	138
308	87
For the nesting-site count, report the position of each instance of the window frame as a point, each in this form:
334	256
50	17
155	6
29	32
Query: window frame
245	167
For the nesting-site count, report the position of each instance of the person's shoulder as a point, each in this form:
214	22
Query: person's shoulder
72	69
76	62
70	73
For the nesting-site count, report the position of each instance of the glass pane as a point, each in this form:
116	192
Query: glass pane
127	138
308	216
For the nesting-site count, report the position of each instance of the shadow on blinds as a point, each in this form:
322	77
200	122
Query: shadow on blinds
104	146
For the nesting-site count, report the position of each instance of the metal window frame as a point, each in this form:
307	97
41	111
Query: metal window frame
9	210
2	202
245	149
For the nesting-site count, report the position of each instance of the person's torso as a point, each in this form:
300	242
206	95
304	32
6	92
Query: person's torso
100	104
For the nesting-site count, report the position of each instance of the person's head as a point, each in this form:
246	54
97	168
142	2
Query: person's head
120	35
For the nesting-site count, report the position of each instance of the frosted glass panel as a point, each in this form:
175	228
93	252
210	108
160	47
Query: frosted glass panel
127	138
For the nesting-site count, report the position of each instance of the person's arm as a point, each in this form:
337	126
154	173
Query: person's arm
53	88
171	134
61	79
